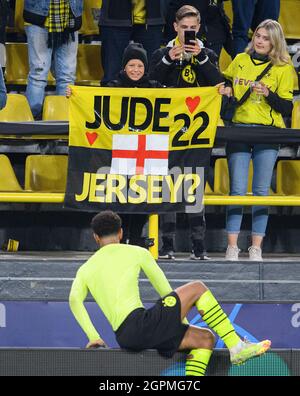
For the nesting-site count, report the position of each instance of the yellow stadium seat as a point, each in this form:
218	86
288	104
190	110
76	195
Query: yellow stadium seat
56	108
16	24
17	109
296	115
220	122
221	177
228	10
208	190
89	21
17	66
289	18
296	79
224	60
46	173
288	177
19	20
8	180
89	69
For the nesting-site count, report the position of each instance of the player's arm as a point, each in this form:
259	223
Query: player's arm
156	276
77	296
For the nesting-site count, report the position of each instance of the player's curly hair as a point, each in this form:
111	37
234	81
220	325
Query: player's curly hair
106	223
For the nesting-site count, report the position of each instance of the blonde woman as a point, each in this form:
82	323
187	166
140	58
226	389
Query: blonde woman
269	102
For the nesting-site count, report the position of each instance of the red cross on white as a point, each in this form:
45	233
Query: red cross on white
140	154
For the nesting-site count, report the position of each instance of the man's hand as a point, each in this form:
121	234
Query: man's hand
96	344
226	91
176	52
194	48
68	92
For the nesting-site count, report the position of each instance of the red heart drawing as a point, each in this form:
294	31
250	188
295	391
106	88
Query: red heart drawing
91	137
192	103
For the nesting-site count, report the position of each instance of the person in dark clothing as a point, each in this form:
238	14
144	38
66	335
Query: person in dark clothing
183	66
133	74
124	20
249	14
215	29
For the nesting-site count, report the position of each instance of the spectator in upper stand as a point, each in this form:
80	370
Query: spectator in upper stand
215	29
51	29
249	14
181	65
2	91
270	101
4	12
124	20
134	69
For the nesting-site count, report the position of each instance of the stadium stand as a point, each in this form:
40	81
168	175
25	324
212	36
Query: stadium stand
8	180
17	67
228	10
296	116
91	10
288	177
89	69
16	109
55	108
37	175
289	18
224	60
19	21
221	177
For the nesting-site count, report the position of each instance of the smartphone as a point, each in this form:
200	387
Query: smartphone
188	36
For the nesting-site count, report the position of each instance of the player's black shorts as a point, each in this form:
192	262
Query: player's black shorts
159	327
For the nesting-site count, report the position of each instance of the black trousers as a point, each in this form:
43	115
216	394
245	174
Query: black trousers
197	225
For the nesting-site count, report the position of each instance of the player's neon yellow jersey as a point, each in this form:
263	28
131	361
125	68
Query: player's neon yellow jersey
244	70
111	276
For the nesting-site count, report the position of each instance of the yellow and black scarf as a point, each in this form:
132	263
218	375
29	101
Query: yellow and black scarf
59	22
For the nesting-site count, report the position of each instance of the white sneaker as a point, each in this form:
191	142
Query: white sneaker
232	253
255	253
249	350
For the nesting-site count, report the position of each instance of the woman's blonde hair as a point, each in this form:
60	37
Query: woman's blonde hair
279	52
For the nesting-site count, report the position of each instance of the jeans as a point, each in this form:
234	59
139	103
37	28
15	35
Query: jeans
62	59
3	96
264	157
249	14
115	40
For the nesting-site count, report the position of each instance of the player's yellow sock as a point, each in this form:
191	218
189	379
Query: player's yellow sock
217	319
197	361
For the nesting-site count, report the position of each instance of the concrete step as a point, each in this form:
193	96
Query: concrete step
42	276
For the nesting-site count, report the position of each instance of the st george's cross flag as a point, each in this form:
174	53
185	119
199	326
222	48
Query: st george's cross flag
140	154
